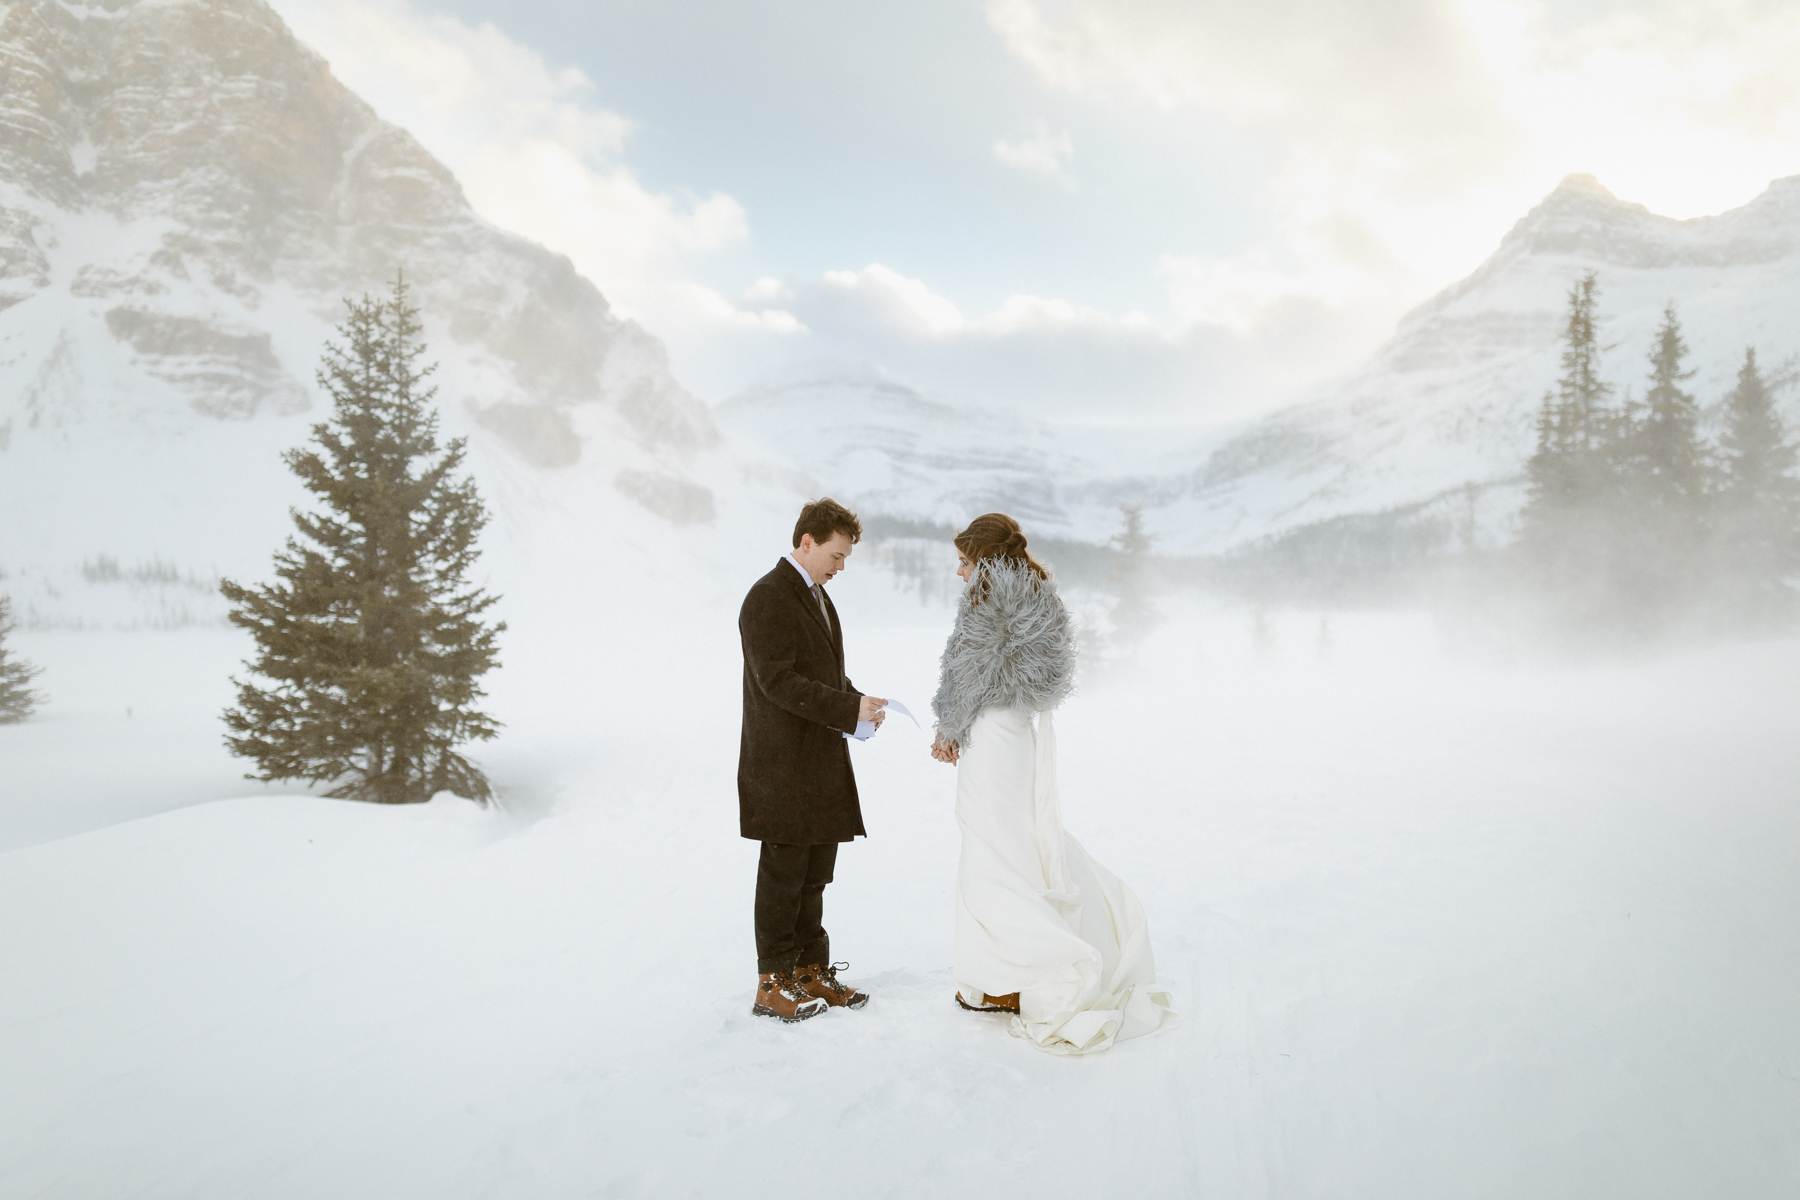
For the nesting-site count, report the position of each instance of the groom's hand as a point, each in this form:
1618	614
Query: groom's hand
872	708
945	752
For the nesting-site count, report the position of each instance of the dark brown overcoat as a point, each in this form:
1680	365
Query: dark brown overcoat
795	784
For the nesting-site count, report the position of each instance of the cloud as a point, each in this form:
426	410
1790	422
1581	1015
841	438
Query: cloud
1043	153
538	153
1052	357
1407	136
768	290
887	299
877	296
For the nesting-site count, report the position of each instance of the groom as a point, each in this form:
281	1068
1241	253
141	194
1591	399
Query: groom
796	792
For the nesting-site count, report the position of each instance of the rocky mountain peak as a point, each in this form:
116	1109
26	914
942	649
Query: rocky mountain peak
1780	201
1578	216
1582	219
1581	183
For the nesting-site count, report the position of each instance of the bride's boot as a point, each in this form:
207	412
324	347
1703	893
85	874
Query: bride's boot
983	1002
779	995
822	983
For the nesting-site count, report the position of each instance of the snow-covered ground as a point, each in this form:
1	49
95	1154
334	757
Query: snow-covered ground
1438	925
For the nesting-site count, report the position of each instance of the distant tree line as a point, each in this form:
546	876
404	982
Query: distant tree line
920	554
1633	517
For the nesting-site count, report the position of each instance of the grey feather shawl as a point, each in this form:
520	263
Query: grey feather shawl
1017	647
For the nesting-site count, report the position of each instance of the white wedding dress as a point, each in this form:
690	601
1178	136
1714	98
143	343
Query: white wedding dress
1035	914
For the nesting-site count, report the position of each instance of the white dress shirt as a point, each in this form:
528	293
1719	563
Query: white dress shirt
810	586
864	729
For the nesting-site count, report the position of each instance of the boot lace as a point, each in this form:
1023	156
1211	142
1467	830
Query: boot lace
828	976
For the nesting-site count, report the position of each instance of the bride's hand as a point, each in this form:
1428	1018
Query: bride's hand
945	752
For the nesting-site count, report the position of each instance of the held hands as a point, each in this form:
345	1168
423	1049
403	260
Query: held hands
872	708
945	752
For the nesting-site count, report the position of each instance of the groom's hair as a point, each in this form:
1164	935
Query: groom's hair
824	517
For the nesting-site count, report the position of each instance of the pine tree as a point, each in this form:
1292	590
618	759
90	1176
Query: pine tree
1758	458
1654	514
1759	499
1133	615
1262	633
17	700
1546	474
1581	393
372	640
1668	450
1467	526
1568	473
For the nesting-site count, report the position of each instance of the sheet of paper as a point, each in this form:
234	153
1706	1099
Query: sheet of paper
896	706
866	729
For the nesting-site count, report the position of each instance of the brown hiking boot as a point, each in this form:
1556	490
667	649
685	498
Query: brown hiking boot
779	996
1008	1003
823	983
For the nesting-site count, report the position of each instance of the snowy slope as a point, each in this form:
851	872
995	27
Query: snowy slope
186	196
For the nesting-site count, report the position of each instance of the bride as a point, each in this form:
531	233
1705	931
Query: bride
1042	930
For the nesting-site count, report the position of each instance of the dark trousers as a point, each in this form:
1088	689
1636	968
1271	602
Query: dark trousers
790	905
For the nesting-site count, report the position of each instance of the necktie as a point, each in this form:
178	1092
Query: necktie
818	591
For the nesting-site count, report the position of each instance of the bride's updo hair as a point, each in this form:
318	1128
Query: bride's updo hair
996	536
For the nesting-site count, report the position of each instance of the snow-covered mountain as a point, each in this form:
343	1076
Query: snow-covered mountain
853	430
1451	398
1437	423
857	433
186	196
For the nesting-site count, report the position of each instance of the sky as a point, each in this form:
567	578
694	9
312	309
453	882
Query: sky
1092	210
